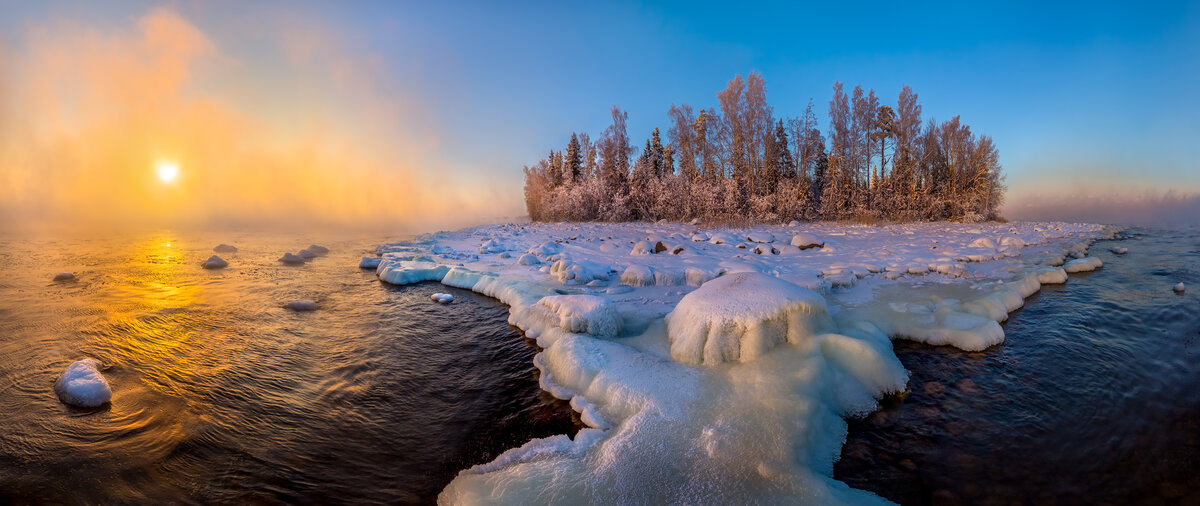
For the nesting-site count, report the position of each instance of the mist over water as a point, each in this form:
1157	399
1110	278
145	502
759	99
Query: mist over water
221	395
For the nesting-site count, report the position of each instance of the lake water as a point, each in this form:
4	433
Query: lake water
382	396
222	395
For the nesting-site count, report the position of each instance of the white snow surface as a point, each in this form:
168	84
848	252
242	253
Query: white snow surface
83	385
718	375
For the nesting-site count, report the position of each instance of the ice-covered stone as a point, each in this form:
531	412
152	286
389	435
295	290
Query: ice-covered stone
225	248
586	314
528	259
1085	264
741	316
1180	288
318	249
214	262
301	305
83	385
442	298
64	276
291	258
369	262
806	241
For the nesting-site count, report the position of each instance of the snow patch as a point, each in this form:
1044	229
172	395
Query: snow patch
83	385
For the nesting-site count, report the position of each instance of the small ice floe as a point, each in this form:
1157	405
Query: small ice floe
301	305
1180	288
83	385
225	248
64	276
806	241
291	258
442	298
214	262
1120	250
308	254
369	262
318	249
1085	264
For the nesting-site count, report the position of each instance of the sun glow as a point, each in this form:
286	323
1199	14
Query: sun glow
167	171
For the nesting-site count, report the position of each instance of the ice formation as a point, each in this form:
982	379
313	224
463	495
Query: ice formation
318	249
291	258
225	248
1120	250
301	305
64	276
442	298
1085	264
369	262
716	374
83	385
1180	288
214	262
307	254
741	316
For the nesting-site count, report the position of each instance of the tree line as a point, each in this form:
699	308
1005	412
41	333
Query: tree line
875	162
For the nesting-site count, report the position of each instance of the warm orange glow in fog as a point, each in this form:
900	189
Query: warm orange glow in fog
314	134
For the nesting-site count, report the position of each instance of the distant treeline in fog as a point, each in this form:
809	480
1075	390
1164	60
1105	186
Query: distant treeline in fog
875	162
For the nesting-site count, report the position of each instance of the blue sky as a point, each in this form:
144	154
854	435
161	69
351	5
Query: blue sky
1097	97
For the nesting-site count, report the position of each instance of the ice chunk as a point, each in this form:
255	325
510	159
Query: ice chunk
369	262
214	262
1180	288
638	275
301	305
741	316
528	259
405	272
442	298
806	241
586	314
64	276
225	248
1085	264
491	246
83	385
318	249
1052	275
579	271
1120	250
289	258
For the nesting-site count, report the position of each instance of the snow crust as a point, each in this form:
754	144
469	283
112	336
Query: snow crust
723	372
83	385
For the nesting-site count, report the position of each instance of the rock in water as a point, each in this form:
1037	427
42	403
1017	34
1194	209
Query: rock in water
83	385
214	262
289	258
225	248
302	305
1180	288
308	254
442	298
319	250
64	276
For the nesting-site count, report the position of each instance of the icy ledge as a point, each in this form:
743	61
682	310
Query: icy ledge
735	391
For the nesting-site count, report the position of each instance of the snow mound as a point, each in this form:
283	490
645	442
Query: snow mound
214	262
410	271
648	248
491	246
225	248
545	249
1085	264
1012	242
64	276
369	262
760	236
741	316
724	238
442	298
806	241
301	305
528	259
579	271
290	258
983	242
83	385
638	275
1180	288
586	314
765	249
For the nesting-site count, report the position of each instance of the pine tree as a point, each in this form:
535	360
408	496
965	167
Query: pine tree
574	161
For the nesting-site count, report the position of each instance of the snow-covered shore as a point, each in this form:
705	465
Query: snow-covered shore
718	365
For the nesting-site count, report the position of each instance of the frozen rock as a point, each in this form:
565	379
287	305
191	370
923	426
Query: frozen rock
1180	288
1012	242
491	246
214	262
1120	250
504	254
638	275
723	238
442	298
579	271
1085	264
760	236
369	262
648	248
1052	275
983	242
301	305
225	248
806	241
83	385
765	249
64	276
586	314
528	259
290	258
741	316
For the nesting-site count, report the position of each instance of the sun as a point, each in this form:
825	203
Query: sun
167	171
